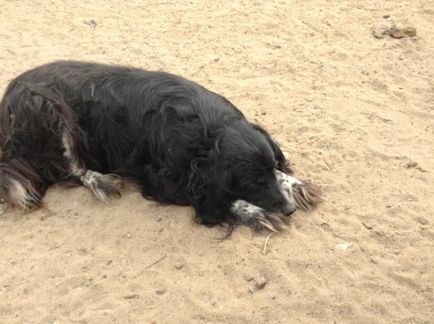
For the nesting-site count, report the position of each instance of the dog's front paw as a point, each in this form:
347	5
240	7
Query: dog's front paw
102	185
305	194
256	217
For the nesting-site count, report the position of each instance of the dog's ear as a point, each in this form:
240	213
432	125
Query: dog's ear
205	189
282	163
211	208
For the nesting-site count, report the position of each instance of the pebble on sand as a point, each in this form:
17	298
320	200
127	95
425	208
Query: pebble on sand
344	246
382	30
259	283
160	291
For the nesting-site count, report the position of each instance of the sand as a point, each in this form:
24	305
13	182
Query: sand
354	113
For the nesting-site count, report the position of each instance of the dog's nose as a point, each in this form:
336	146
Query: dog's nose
287	210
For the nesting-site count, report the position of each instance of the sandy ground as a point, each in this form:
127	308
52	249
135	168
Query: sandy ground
354	113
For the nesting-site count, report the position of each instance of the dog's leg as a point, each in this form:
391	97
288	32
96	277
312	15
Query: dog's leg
65	121
255	217
24	181
305	194
101	185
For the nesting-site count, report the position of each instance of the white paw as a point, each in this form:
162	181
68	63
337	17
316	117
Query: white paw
101	184
256	217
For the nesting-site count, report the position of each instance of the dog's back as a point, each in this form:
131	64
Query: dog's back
110	117
114	102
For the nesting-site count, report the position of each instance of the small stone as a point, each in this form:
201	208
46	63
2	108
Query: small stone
344	246
380	31
90	22
410	31
386	16
179	265
411	164
160	291
260	282
367	225
248	277
133	296
402	32
256	283
422	220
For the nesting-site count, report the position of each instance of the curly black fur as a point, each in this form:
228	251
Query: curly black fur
180	142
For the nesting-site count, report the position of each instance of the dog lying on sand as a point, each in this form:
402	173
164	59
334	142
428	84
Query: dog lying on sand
92	124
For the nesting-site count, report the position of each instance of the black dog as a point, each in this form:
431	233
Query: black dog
92	124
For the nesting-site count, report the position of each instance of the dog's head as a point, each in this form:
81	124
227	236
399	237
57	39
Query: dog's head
242	165
250	159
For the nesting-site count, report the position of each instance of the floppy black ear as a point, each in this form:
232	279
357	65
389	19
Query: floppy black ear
282	164
211	208
206	194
